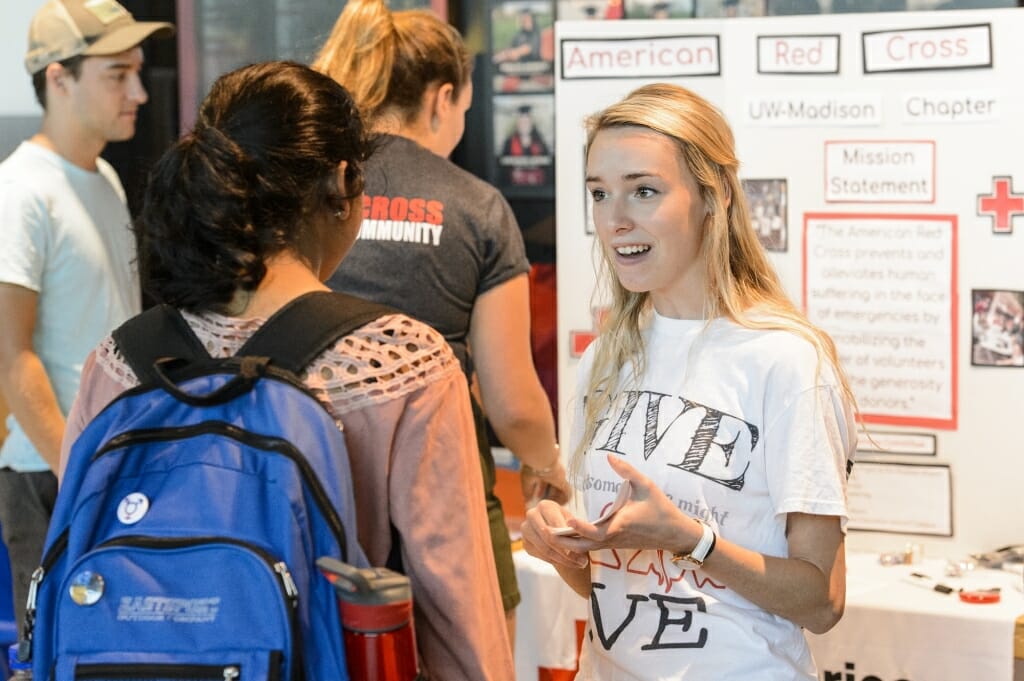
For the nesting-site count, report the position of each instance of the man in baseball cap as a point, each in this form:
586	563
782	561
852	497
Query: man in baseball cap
66	272
62	29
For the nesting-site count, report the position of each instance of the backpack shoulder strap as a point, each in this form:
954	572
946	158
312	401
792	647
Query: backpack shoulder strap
158	333
297	333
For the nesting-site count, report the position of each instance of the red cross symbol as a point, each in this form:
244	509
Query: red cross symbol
579	340
1001	205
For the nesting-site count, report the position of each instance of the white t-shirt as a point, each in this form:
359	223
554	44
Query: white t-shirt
739	428
66	234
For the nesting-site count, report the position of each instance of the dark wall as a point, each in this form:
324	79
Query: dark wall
157	125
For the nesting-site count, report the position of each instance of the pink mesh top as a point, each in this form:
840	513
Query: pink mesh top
404	403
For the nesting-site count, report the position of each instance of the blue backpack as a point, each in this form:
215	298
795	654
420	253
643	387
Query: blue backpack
193	509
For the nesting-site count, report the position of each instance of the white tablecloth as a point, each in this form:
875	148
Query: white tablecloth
545	620
892	630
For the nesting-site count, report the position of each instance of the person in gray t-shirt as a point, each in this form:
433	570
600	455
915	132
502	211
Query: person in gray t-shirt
440	244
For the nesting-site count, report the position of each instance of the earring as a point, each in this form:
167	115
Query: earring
337	214
434	123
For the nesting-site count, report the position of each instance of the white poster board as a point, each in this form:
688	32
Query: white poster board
883	155
878	492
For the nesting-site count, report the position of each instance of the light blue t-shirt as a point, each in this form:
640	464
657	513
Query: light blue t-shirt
65	233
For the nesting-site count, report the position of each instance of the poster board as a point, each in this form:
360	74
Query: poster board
882	157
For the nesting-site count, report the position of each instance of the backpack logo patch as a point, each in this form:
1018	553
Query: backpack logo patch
163	609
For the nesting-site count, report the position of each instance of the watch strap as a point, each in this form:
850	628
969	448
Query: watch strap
700	552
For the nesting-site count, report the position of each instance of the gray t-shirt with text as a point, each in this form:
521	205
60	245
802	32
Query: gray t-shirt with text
433	238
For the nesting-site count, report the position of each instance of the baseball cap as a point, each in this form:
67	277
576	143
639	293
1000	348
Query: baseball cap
62	29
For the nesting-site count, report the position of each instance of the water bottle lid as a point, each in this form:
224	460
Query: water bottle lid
13	663
366	586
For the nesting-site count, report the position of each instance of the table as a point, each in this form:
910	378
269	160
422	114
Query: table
893	629
549	622
896	629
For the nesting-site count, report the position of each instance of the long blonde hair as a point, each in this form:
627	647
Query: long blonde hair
387	59
739	278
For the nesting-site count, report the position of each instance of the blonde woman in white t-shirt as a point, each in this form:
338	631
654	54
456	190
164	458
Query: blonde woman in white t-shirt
720	408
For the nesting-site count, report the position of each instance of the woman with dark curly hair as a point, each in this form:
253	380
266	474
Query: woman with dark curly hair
256	207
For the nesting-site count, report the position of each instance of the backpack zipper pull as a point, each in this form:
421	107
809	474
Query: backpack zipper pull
33	588
289	584
25	644
231	673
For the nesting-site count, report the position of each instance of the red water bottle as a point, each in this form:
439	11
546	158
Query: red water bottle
376	616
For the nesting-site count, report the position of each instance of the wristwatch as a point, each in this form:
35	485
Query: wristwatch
702	550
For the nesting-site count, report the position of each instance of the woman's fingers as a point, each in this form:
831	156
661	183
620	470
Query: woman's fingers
540	540
627	472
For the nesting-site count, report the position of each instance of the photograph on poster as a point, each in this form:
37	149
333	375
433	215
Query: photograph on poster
791	7
660	9
580	10
524	138
730	8
586	10
997	328
522	44
767	200
613	9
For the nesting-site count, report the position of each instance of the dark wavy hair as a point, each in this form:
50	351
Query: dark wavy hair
240	187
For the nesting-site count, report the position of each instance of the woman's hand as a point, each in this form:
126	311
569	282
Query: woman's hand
540	542
648	520
550	484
